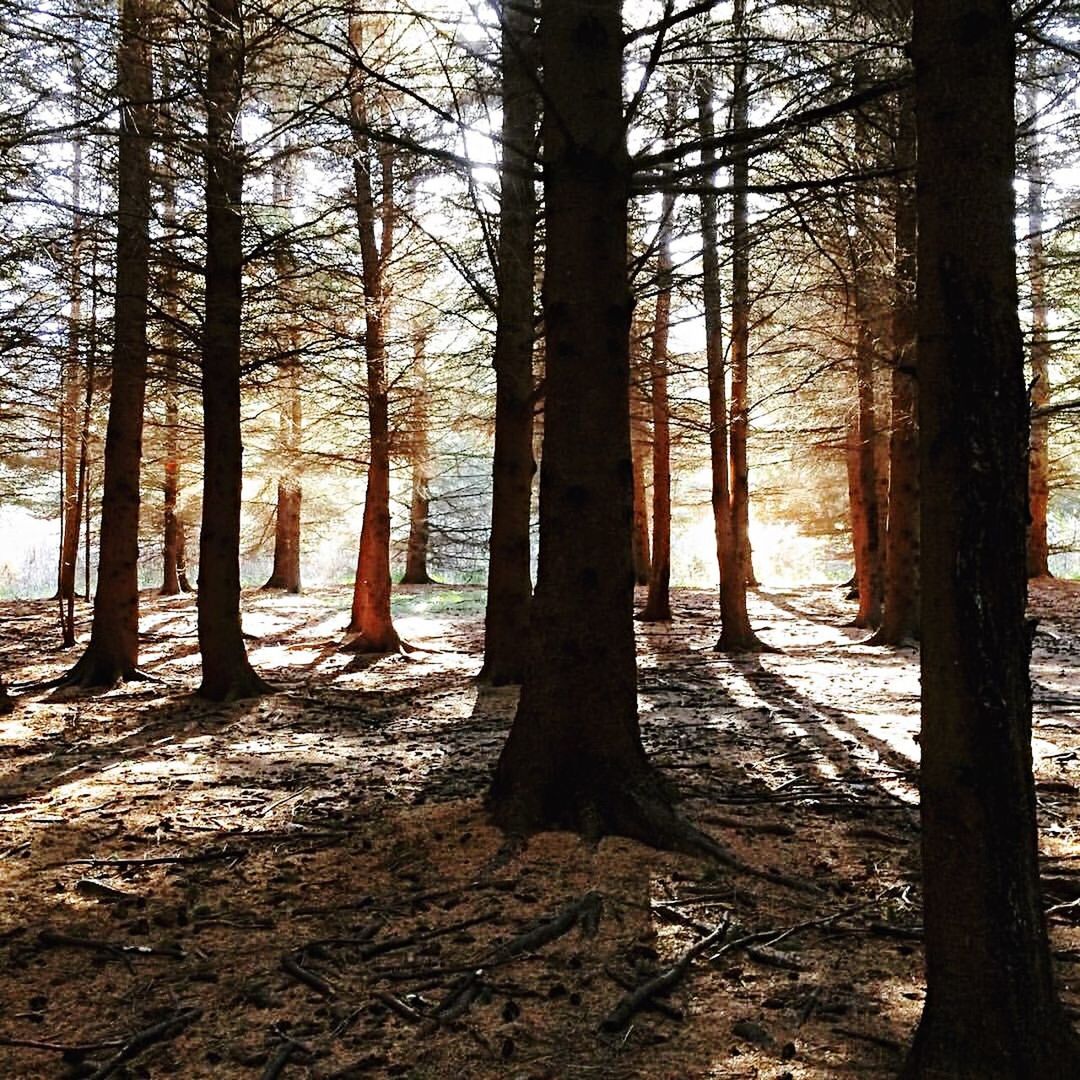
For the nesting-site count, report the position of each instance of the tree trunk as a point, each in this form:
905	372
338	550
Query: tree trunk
506	620
227	673
736	633
416	552
1038	549
72	374
991	1009
171	584
900	618
113	651
639	447
864	508
555	770
371	629
740	306
286	570
658	602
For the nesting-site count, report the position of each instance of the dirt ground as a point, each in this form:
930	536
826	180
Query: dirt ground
307	885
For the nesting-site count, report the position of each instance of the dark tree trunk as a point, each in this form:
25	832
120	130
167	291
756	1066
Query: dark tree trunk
639	448
416	552
658	603
991	1010
113	651
740	307
556	770
171	584
227	673
371	628
72	374
869	568
286	570
1038	548
900	618
506	620
736	633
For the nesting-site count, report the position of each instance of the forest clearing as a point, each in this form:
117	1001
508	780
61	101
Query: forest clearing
309	882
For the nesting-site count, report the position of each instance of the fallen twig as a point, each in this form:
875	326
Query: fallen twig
166	1029
584	912
291	966
54	938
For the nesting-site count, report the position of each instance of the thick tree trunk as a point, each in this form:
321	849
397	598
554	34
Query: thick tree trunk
227	673
506	620
900	618
286	570
113	651
658	603
371	628
1038	548
740	308
556	770
991	1009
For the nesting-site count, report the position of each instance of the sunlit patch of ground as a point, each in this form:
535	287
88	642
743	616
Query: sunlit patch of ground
160	855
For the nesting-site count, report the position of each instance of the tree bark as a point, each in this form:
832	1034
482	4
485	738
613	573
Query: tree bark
113	651
991	1009
416	552
900	618
740	306
658	602
371	628
1038	548
171	555
72	375
286	569
227	674
736	633
574	757
639	448
506	619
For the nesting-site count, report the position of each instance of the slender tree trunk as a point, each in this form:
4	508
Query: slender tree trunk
506	620
869	569
71	378
736	633
740	306
556	770
227	673
286	570
991	1009
171	584
371	629
113	651
416	552
900	619
658	602
1038	549
639	448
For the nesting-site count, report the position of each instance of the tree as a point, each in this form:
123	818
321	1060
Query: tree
226	672
506	618
991	1009
658	602
900	617
574	757
371	628
1038	549
113	651
416	551
736	633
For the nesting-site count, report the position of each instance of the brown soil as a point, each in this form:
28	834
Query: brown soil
307	885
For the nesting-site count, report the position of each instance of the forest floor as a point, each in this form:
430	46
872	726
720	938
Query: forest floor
307	885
